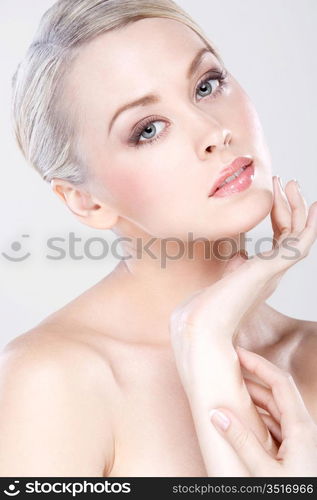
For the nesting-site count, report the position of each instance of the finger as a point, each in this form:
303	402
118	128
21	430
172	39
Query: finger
302	242
292	247
281	217
243	441
263	397
273	213
273	426
309	234
298	206
285	393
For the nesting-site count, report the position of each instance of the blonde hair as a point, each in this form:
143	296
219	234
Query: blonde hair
44	124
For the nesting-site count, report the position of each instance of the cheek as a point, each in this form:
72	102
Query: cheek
248	118
248	127
255	132
134	192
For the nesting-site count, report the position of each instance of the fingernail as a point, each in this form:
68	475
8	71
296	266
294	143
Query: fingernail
298	185
280	181
219	419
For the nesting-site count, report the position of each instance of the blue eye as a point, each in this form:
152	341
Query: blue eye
148	130
208	87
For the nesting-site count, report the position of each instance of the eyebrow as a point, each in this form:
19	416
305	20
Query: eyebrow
154	98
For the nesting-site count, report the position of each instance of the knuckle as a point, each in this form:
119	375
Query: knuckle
241	438
284	230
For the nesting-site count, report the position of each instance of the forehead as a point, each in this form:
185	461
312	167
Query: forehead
138	46
149	48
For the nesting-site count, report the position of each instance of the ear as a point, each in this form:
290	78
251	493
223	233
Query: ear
84	206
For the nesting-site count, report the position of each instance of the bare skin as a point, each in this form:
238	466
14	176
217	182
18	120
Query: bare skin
153	427
116	333
204	332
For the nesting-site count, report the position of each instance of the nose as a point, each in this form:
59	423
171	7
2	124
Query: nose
220	140
214	137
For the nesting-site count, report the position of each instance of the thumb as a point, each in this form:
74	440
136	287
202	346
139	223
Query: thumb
242	440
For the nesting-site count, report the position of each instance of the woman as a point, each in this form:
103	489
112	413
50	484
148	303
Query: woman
118	404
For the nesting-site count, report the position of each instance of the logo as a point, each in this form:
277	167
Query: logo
12	492
16	247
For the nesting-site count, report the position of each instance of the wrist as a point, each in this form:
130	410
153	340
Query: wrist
212	367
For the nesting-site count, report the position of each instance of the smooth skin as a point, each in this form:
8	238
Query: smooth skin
204	330
285	415
94	389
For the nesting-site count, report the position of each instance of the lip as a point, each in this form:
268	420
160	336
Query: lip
241	161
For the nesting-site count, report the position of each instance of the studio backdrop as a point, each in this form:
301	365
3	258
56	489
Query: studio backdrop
270	48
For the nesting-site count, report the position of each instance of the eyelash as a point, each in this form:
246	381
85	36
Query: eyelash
211	75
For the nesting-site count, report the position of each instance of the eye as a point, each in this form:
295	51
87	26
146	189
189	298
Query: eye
207	89
148	131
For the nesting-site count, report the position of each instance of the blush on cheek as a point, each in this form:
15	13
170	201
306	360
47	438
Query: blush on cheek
131	193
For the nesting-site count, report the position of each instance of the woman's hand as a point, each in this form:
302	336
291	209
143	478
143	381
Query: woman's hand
203	330
218	310
287	419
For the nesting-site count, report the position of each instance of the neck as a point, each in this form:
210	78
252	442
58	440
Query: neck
154	264
149	284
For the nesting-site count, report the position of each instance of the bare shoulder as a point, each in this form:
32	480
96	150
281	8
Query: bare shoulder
303	364
56	408
59	346
51	347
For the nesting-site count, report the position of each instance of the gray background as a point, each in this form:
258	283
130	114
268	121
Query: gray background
269	46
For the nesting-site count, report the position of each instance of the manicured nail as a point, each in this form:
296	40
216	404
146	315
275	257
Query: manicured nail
298	185
219	419
280	181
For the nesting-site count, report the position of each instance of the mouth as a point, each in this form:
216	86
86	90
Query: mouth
236	178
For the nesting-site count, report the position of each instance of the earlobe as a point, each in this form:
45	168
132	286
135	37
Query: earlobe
104	220
99	217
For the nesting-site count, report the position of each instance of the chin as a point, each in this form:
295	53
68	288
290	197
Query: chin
247	214
253	211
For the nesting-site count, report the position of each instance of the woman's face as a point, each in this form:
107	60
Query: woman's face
159	181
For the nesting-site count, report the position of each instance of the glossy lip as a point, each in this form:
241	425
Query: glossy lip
241	161
238	184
